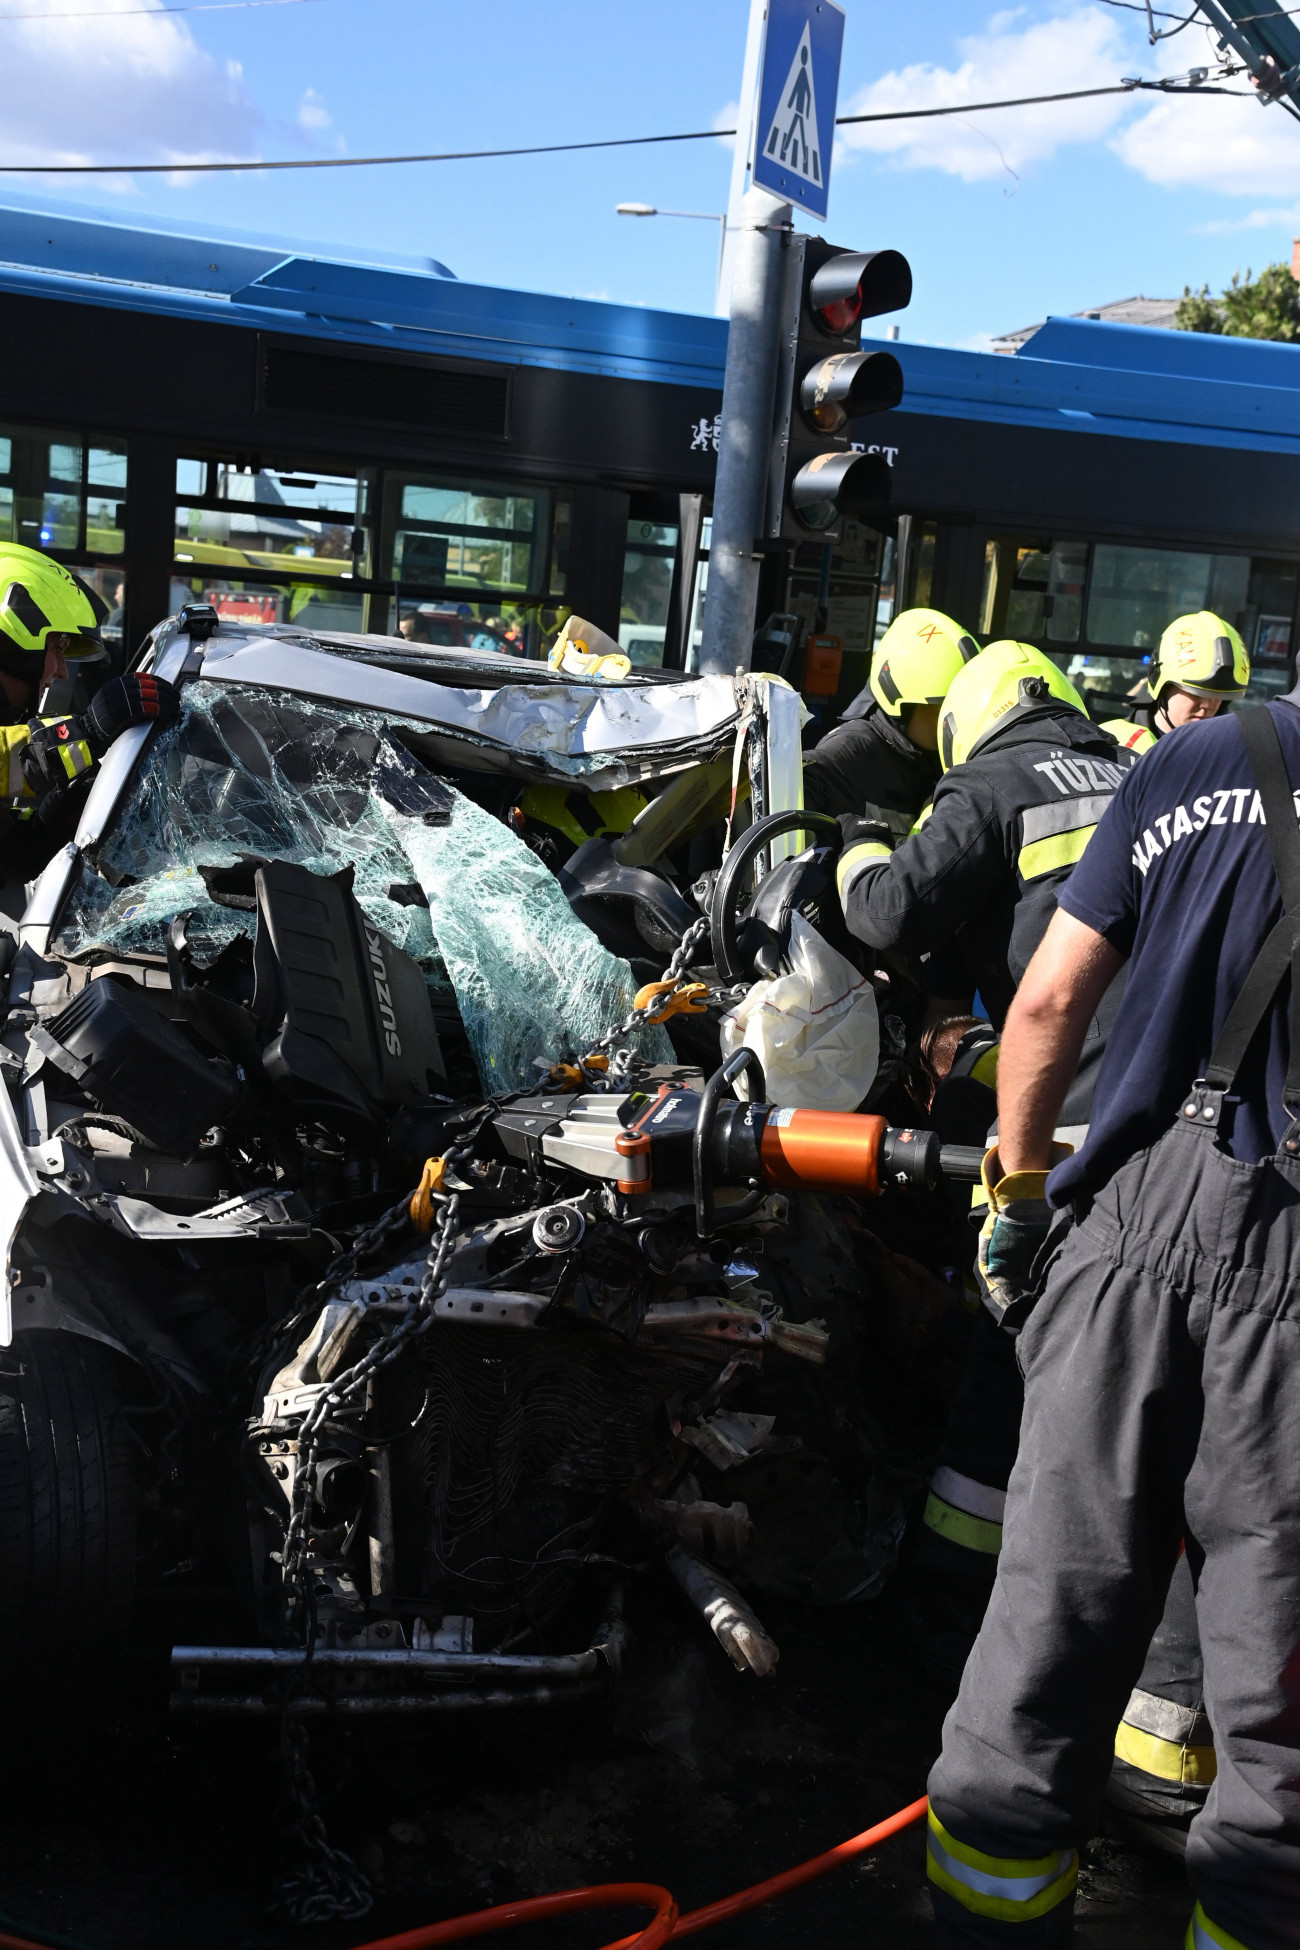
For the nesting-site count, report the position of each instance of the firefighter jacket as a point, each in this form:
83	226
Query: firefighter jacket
15	791
1001	835
1139	729
868	765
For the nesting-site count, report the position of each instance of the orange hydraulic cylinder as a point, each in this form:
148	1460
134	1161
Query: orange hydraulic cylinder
822	1151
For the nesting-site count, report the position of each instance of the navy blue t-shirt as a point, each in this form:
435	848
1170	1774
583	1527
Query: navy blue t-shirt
1179	877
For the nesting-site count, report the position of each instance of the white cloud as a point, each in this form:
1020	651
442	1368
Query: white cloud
130	89
312	112
1008	58
727	117
1287	219
1239	148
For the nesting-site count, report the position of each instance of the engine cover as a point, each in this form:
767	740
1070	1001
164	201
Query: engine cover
130	1059
343	1014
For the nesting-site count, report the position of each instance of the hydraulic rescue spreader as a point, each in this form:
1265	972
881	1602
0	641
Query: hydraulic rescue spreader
677	1136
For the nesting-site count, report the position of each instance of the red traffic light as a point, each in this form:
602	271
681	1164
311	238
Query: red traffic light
840	388
859	284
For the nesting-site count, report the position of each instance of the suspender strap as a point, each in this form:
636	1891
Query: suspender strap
1251	1006
1264	750
1282	948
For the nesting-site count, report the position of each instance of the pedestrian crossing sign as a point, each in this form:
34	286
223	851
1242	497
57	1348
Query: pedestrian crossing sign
795	127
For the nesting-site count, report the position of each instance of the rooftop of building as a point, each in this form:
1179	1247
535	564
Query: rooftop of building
1157	312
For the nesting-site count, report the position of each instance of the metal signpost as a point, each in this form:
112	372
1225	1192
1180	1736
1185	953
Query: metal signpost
793	134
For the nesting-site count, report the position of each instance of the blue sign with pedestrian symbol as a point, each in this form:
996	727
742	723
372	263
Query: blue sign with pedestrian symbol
795	130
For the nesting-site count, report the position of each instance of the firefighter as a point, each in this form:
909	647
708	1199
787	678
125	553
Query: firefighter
1164	1748
1026	778
882	760
48	619
1200	662
1162	1378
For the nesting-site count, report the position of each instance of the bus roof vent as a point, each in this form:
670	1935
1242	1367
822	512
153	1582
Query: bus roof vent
442	398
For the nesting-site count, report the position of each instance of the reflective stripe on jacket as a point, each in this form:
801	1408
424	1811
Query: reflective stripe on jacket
75	754
1004	831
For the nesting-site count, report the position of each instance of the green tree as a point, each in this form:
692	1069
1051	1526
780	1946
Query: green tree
1263	307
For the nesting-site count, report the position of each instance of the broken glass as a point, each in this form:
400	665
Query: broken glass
242	773
250	774
532	982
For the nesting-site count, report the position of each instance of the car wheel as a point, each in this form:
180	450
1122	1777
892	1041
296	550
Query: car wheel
68	1497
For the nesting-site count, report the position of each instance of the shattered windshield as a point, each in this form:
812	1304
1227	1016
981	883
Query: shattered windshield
251	775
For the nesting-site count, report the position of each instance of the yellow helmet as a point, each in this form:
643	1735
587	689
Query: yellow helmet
1202	654
1005	683
917	658
39	598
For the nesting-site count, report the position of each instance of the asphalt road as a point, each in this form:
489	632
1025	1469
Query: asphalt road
124	1831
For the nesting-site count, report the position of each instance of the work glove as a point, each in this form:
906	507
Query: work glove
856	831
57	755
1013	1231
125	701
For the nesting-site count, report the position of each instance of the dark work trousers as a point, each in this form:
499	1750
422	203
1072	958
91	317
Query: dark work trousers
962	1525
1162	1371
1164	1748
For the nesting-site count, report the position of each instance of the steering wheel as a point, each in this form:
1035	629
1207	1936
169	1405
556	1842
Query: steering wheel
730	958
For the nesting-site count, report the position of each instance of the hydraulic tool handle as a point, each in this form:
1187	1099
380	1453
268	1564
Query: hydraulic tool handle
961	1161
858	1153
823	1151
706	1219
724	922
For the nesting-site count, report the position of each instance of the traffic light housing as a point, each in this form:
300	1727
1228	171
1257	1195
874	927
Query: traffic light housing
825	381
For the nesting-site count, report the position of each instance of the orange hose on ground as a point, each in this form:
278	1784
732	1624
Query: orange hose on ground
667	1924
765	1892
538	1909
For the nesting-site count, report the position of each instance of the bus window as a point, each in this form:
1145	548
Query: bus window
57	493
444	535
647	586
1033	590
1135	592
1267	626
246	537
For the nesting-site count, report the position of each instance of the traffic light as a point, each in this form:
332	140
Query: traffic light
824	381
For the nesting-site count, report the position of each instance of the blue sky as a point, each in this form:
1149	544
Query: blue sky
1005	217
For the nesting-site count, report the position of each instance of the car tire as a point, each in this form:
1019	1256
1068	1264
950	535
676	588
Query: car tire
68	1498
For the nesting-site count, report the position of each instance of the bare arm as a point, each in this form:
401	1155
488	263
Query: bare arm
1044	1032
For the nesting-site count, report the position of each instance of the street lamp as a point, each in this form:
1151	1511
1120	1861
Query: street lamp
701	216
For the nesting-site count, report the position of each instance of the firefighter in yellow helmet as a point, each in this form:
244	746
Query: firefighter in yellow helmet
881	760
1201	660
48	619
1026	778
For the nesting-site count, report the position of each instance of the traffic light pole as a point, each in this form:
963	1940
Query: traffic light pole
748	391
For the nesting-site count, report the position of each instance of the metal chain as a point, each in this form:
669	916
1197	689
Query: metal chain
417	1319
344	1266
615	1040
328	1884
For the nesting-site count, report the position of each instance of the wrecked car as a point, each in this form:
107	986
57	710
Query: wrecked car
395	1270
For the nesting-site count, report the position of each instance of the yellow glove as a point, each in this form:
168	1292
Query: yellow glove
1010	1238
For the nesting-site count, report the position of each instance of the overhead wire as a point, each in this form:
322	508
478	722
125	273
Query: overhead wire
179	168
121	13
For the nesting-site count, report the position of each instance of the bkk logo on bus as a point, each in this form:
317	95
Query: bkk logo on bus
706	434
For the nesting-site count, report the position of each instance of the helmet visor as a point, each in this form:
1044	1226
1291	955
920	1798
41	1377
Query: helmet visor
80	646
